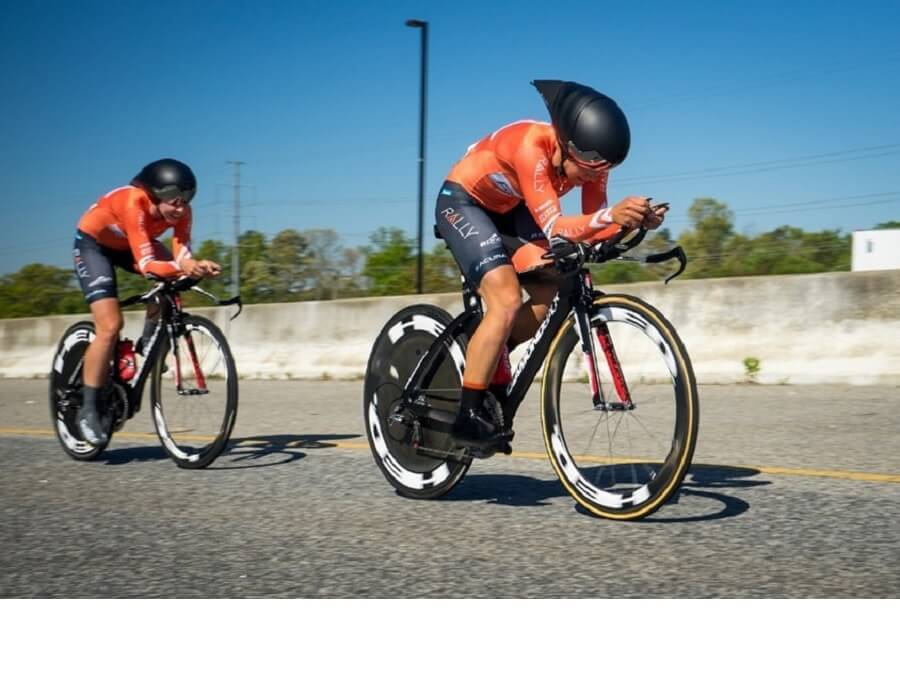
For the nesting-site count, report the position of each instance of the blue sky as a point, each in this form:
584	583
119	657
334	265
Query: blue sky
800	100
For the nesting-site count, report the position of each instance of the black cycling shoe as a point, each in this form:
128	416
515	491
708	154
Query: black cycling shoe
91	428
479	434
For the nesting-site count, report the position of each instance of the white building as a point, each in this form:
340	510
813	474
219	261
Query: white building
875	250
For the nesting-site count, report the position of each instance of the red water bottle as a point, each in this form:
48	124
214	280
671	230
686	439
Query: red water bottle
125	359
503	373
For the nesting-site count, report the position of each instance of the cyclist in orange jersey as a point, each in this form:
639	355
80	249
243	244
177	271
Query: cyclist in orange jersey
498	209
121	230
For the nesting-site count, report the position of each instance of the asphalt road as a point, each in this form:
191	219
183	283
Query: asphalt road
794	492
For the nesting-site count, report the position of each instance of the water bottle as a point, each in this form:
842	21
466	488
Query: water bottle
125	359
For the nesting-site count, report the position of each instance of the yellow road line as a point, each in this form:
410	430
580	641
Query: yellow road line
344	445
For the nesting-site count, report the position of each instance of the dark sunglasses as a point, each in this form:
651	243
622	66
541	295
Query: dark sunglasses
170	193
590	159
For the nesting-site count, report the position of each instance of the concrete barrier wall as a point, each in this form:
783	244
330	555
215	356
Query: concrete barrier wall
839	327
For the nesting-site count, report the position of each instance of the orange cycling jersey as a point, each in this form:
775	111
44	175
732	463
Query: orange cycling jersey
513	164
122	220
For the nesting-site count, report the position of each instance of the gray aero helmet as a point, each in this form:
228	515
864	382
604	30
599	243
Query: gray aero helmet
590	126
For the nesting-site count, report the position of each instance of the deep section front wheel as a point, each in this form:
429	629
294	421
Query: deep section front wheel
411	449
194	394
623	456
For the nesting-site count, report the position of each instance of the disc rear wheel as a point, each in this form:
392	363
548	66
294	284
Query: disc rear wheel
415	452
65	390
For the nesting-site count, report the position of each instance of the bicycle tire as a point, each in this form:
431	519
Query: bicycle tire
402	342
178	419
65	383
649	470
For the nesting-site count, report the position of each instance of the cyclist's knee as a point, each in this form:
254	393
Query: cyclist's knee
108	331
108	321
502	295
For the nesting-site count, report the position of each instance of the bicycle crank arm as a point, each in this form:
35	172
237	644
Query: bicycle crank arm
433	414
457	455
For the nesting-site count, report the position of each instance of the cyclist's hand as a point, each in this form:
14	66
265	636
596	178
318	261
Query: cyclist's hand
197	269
656	216
631	211
209	268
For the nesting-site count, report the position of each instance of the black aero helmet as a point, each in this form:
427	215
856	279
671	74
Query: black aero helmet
590	126
167	179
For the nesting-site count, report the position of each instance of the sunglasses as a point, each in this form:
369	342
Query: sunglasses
171	193
588	159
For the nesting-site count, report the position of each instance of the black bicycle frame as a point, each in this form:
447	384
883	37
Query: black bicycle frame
169	319
575	294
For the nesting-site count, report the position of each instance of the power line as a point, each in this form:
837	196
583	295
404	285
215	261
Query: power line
771	165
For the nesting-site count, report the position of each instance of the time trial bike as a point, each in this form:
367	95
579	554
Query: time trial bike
618	399
193	382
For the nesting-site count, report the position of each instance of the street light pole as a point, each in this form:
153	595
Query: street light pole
415	23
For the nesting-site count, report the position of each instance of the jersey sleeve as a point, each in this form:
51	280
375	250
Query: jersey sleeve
593	195
142	246
532	166
181	239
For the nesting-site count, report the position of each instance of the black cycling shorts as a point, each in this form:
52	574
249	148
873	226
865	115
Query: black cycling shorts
481	240
94	267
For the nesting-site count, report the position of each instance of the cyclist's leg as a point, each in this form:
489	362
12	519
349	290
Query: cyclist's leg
94	268
538	278
472	236
502	296
541	289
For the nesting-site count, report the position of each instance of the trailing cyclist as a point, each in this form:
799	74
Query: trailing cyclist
498	209
121	230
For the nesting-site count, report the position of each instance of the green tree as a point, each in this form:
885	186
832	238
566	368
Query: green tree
326	263
440	273
252	246
258	283
38	290
705	244
889	225
288	261
390	266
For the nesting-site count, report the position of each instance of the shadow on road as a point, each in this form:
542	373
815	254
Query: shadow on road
254	452
150	453
703	480
251	452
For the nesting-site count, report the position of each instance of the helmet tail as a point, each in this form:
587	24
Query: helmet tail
548	89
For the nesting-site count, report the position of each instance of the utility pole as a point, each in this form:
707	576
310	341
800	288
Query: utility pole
235	255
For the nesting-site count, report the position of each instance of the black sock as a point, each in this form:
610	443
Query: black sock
89	401
472	398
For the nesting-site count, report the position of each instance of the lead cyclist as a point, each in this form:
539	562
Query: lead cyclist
499	208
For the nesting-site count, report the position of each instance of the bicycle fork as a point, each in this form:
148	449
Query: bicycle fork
589	348
198	373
